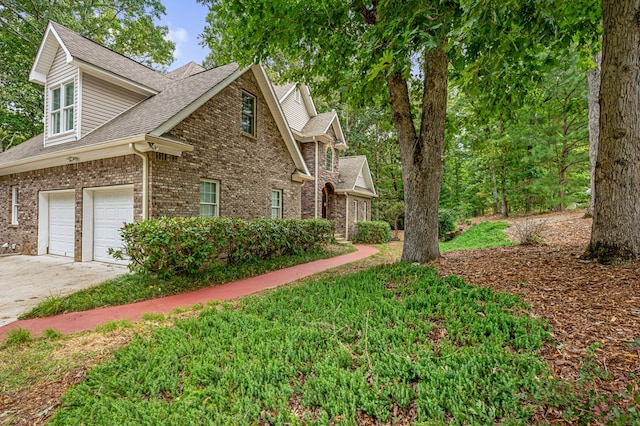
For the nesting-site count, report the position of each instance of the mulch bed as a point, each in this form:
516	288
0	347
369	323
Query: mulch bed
585	303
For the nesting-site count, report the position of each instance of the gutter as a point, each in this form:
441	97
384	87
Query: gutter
145	180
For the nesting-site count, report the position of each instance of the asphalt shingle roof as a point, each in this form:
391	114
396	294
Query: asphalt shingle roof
282	90
95	54
141	119
319	124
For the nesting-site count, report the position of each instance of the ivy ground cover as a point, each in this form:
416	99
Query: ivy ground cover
394	343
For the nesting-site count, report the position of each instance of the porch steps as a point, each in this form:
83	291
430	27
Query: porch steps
341	239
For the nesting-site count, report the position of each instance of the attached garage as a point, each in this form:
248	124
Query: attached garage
61	223
105	211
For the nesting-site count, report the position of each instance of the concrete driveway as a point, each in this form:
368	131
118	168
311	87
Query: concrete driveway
26	280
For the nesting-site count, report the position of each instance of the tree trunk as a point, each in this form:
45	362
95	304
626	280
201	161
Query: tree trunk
494	190
504	207
421	155
593	81
615	235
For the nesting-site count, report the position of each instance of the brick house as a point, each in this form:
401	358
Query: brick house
123	142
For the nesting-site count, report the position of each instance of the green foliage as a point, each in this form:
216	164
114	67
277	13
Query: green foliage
136	287
482	235
110	326
374	232
18	336
446	224
189	245
372	343
126	26
51	333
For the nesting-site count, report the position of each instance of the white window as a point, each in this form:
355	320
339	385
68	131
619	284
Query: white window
329	166
364	211
14	205
249	114
209	196
355	211
62	101
276	204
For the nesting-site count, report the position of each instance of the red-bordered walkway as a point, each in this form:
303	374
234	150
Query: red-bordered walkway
88	320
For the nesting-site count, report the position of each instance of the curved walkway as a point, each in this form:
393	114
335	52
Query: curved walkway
81	321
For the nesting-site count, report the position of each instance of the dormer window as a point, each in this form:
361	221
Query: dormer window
62	102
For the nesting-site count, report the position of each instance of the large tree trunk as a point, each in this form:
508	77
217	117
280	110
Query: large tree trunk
615	235
593	81
421	155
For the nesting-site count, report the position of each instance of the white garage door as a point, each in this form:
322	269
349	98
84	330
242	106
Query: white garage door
111	209
62	213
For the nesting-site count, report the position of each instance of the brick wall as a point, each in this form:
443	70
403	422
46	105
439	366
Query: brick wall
247	168
309	192
108	172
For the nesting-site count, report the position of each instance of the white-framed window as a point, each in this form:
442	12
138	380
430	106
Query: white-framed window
355	210
297	96
276	204
209	198
15	205
329	165
62	108
364	210
248	114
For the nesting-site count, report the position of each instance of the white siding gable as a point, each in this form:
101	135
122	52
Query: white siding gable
102	101
295	110
60	72
360	181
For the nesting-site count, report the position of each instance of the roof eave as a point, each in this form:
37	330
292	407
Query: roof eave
108	149
114	78
37	73
358	192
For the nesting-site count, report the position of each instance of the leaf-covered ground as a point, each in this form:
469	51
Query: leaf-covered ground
585	303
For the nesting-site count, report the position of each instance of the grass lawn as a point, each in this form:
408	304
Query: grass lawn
391	343
131	288
482	235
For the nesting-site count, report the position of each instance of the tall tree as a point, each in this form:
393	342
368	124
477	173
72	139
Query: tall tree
126	26
370	47
615	235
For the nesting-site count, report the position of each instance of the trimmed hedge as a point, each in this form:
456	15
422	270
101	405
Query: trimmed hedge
187	245
375	232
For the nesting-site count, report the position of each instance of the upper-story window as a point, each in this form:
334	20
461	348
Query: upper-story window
249	114
329	159
62	102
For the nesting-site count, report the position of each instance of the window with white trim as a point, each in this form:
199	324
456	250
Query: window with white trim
209	198
248	114
276	204
329	165
355	210
62	108
14	205
364	211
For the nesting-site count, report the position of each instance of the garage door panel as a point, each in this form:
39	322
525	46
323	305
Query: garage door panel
61	224
112	209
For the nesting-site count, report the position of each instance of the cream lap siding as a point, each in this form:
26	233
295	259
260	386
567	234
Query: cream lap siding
60	72
295	112
102	101
360	181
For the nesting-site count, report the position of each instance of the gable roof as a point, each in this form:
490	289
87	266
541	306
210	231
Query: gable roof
187	70
354	170
93	58
170	100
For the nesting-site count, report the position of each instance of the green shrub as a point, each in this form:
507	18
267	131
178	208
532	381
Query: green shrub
446	224
188	245
375	232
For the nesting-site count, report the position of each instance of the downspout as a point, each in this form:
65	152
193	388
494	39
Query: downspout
145	180
346	219
316	184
